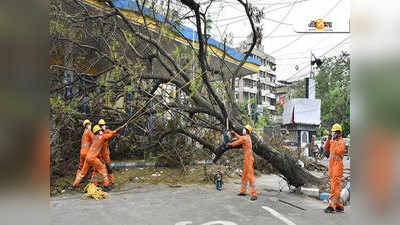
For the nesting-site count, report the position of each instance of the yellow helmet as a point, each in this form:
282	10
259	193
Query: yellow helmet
96	128
86	122
249	128
101	122
337	127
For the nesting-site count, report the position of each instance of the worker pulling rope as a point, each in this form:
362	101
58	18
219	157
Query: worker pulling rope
94	192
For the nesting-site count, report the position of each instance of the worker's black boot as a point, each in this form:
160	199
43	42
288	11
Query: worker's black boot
107	188
329	210
242	194
339	209
253	198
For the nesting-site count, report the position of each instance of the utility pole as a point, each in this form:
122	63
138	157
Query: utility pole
308	78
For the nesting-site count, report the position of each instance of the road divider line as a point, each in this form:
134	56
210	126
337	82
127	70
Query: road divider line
278	215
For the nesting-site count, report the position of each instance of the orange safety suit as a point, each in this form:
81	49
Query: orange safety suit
248	169
105	156
337	148
87	139
92	158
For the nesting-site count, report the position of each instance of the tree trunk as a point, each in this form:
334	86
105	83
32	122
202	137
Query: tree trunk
284	163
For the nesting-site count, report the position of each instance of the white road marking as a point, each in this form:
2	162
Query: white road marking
278	215
219	222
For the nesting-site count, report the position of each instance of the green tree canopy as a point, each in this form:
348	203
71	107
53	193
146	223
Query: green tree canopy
333	88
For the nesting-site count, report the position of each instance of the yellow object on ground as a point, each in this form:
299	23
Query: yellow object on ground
94	192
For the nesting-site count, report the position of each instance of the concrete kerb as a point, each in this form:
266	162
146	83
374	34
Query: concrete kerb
153	164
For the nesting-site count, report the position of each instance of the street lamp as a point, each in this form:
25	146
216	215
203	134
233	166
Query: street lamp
314	61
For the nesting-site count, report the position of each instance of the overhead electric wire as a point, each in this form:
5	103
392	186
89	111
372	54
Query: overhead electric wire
269	19
290	43
298	77
283	19
282	7
293	58
293	41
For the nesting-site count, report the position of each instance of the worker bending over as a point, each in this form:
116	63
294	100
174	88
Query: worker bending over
86	141
92	159
248	169
336	147
105	151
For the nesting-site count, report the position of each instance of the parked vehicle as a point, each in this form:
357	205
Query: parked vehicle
323	140
319	149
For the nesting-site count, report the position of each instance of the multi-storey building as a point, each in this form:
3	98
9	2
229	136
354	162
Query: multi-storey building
262	83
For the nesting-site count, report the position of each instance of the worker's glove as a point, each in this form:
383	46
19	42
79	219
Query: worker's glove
327	153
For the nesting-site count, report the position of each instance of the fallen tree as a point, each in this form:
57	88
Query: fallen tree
199	81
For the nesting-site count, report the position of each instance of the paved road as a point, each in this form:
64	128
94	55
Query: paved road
194	205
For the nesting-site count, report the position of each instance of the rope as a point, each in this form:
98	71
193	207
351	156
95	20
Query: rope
94	192
134	115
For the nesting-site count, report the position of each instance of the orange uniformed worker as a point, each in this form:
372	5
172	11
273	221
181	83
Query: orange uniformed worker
105	152
336	147
92	159
248	169
86	141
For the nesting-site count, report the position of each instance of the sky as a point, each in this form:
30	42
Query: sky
280	39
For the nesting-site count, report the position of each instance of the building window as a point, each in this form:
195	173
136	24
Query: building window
272	101
248	83
272	77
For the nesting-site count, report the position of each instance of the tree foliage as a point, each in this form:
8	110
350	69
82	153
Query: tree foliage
333	88
175	96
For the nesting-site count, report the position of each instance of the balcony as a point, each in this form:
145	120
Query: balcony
253	77
251	90
270	95
265	92
270	83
